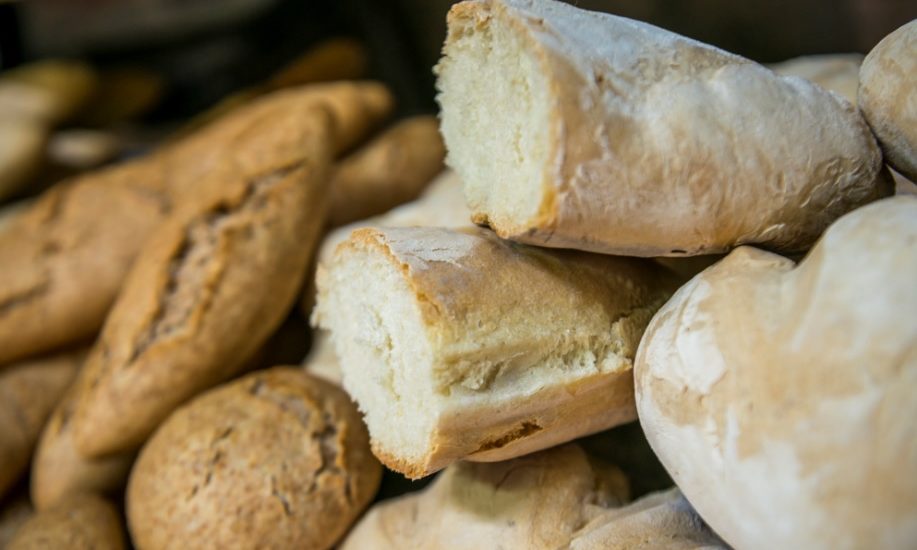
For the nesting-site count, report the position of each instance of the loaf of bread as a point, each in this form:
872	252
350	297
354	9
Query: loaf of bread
391	169
576	129
66	257
60	472
208	289
888	80
839	73
780	397
47	92
22	148
457	344
277	459
28	393
534	502
83	522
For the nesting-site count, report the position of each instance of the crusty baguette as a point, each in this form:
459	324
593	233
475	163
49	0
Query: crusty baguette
277	459
534	502
209	288
781	397
839	73
391	169
457	344
888	84
576	129
29	392
83	522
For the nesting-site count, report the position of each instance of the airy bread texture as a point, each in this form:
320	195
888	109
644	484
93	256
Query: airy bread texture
584	130
457	344
82	522
536	501
28	393
888	80
276	459
780	397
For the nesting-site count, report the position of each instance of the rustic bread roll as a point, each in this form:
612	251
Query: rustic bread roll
656	521
22	148
888	79
28	393
59	471
391	169
48	92
209	288
66	257
536	501
456	344
780	397
584	130
839	72
277	459
83	522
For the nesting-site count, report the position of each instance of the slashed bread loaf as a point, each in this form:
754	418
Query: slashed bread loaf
276	459
888	97
457	344
781	397
584	130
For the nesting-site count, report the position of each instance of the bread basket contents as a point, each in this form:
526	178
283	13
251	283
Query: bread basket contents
276	459
457	344
82	522
576	129
780	396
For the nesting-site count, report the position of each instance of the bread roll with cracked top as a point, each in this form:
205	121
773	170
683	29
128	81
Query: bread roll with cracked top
888	84
457	344
576	129
81	522
781	397
276	459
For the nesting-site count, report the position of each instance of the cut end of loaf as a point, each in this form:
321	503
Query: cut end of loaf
496	116
379	336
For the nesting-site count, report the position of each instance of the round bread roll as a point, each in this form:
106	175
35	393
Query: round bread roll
82	522
276	459
781	397
888	83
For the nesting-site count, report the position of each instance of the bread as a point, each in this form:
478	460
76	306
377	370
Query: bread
534	502
456	344
22	148
60	472
839	72
14	513
83	522
659	520
333	59
48	92
28	393
888	79
277	459
391	169
209	288
322	360
576	129
780	397
66	257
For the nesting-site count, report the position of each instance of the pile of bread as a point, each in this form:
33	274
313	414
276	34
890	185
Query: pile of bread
536	293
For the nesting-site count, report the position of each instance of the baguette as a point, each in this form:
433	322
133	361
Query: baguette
576	129
456	344
780	397
888	80
83	522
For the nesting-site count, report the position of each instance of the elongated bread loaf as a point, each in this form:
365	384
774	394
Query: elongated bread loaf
576	129
209	288
781	397
457	344
888	97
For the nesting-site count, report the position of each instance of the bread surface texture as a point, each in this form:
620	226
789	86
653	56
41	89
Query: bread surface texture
779	396
457	344
888	80
839	73
82	522
576	129
276	459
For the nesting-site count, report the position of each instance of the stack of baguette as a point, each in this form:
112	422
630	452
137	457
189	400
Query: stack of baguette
662	297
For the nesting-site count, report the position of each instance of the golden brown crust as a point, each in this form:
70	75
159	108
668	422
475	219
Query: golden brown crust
82	522
391	169
227	265
28	393
288	450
